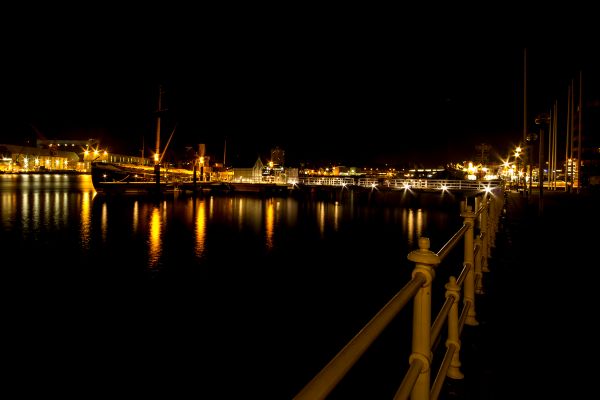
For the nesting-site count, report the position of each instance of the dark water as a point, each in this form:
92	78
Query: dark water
214	296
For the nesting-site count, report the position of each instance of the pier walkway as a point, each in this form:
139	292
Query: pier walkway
538	332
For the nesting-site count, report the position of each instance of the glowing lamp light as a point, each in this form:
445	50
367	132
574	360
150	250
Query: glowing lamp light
156	157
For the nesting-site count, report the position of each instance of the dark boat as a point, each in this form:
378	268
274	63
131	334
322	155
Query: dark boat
141	178
130	178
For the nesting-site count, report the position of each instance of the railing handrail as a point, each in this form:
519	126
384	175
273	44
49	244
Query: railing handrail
416	379
446	248
398	184
336	369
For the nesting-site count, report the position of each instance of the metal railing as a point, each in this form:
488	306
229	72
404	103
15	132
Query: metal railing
399	184
417	380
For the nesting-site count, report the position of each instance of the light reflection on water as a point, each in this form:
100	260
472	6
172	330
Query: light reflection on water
104	222
25	219
154	237
200	211
37	206
136	217
270	223
321	218
86	223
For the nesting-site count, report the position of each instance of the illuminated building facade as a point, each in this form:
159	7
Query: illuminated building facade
15	158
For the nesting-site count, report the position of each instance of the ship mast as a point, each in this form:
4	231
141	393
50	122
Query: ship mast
157	153
158	112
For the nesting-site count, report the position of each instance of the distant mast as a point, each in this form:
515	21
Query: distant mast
158	111
157	154
524	95
224	152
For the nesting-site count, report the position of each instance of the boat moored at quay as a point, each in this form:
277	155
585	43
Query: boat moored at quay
140	179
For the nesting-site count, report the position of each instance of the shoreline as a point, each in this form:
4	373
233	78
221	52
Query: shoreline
59	172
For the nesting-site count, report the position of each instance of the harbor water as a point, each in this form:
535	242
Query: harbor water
215	296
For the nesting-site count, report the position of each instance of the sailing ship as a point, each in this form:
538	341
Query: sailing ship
142	176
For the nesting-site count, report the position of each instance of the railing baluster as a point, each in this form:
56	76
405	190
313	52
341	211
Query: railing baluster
425	262
417	380
469	286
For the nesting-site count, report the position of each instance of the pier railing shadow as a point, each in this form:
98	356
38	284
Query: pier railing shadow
477	235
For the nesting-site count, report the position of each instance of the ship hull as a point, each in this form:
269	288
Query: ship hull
133	179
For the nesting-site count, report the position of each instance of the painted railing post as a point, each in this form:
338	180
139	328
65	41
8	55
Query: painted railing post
489	229
493	221
483	227
478	272
497	211
469	287
453	290
425	263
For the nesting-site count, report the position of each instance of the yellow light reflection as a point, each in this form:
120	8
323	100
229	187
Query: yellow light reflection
270	223
321	218
336	216
200	227
240	213
85	219
46	211
411	227
419	223
56	212
25	213
36	212
136	216
155	245
414	223
104	222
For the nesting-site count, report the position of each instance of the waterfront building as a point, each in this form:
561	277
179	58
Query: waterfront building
17	158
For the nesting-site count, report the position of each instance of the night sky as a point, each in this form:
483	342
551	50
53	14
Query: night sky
345	92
